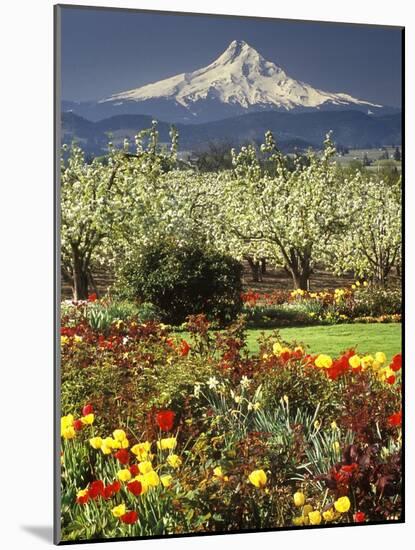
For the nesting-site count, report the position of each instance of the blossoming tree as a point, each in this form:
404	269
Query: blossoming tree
290	215
373	243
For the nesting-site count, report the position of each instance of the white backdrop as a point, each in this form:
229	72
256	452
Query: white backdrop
26	305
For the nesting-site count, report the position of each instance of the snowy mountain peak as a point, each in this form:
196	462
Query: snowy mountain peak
240	78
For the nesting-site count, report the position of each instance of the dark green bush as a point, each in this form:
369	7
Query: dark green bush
184	280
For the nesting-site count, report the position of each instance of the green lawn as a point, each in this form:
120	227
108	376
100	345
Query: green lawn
333	339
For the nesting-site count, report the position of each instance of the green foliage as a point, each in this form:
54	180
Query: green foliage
280	315
184	280
305	390
374	301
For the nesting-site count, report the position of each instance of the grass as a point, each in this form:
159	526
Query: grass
333	339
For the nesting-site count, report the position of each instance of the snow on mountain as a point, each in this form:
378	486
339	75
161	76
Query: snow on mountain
240	77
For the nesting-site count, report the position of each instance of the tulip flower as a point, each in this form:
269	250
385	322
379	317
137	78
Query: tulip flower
342	505
87	409
174	461
166	480
299	499
258	478
315	517
124	475
123	456
165	420
119	510
129	517
135	487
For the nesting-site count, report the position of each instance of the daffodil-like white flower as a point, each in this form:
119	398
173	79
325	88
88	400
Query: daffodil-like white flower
245	382
212	382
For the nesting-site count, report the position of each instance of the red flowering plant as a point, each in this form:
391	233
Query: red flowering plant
370	479
165	420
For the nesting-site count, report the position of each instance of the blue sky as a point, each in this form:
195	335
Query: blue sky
108	51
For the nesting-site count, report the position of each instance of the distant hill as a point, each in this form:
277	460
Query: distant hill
352	129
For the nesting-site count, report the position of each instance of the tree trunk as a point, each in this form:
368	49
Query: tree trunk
299	267
301	280
255	269
263	266
79	276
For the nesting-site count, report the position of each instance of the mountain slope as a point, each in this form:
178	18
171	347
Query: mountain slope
240	77
239	81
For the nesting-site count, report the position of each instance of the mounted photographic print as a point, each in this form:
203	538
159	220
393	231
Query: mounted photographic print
229	274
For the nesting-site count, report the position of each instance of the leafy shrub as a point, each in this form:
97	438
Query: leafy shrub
281	315
375	302
182	281
148	312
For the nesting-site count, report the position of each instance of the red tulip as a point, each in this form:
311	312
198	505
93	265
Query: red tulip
111	489
395	419
184	348
96	489
135	487
88	409
359	517
165	420
129	517
83	500
92	297
391	379
123	456
77	424
134	469
396	362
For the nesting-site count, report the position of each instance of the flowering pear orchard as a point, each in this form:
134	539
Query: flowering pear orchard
171	423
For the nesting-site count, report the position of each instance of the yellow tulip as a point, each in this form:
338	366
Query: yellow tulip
152	479
88	419
166	480
124	475
167	443
342	504
141	450
106	449
144	483
218	471
277	348
95	442
329	515
299	499
298	521
119	510
307	509
145	467
68	433
354	361
367	361
376	366
66	421
323	361
82	493
315	517
258	478
380	357
119	435
174	461
125	444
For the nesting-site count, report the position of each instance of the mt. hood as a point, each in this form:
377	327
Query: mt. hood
239	81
